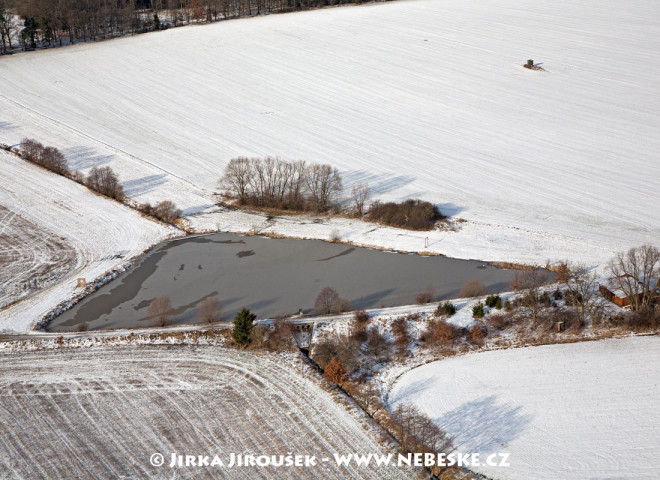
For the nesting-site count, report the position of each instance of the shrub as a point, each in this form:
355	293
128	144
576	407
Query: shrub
359	333
477	334
323	352
563	272
472	288
544	299
573	301
500	321
82	327
557	295
410	214
426	296
106	182
259	336
377	345
568	317
52	159
48	157
146	208
643	320
166	211
281	336
78	177
31	149
343	305
335	372
335	236
440	332
493	300
401	331
326	301
361	316
478	310
446	308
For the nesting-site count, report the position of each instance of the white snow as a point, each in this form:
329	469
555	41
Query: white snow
574	411
423	98
103	233
101	412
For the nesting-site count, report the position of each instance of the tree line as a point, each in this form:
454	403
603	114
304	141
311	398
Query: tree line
48	23
275	183
103	180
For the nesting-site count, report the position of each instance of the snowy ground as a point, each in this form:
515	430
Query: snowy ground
419	98
574	411
31	257
102	233
102	412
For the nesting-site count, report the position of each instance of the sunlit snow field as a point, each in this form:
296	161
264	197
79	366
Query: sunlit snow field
576	411
421	98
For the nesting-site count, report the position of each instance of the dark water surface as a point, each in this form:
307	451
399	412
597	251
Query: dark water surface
270	277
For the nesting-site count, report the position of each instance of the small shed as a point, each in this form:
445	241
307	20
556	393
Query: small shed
617	296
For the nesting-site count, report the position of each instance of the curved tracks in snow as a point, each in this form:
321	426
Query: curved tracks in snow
102	413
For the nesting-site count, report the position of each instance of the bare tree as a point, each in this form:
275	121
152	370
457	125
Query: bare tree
105	181
580	290
297	185
417	433
529	282
238	173
326	301
526	279
637	274
324	184
31	149
160	311
366	395
167	211
54	160
7	28
360	194
209	311
472	288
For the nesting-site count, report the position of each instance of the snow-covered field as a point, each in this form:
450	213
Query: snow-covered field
102	233
575	411
420	98
31	257
102	413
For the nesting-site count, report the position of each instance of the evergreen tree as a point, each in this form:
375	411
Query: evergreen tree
243	326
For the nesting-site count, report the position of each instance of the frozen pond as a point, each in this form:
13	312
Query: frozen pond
270	277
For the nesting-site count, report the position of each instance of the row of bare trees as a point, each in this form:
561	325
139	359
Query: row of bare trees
161	312
47	23
276	183
8	28
100	179
48	157
103	180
